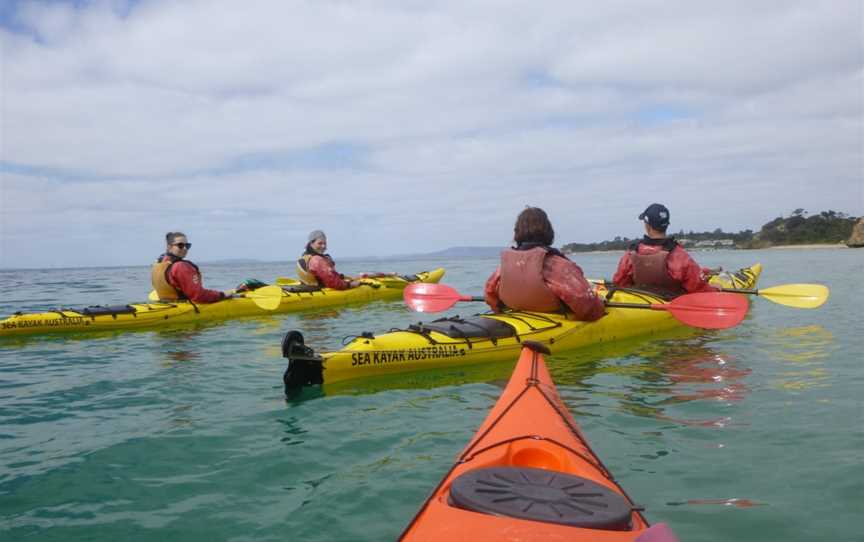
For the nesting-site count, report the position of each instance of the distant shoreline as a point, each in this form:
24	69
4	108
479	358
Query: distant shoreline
808	247
812	246
490	252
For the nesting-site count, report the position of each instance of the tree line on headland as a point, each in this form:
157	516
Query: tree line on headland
827	227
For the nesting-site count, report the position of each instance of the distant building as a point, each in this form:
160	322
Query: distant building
715	243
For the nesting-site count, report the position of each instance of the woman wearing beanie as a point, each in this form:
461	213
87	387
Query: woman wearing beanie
316	268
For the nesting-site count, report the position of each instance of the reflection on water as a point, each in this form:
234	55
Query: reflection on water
802	345
650	378
654	378
292	430
738	503
804	349
701	373
181	355
182	416
174	340
312	316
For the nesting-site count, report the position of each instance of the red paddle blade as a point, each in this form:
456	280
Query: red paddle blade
709	310
424	297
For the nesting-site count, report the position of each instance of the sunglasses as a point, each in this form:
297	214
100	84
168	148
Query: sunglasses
182	245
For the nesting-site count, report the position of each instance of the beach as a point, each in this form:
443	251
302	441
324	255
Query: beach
809	247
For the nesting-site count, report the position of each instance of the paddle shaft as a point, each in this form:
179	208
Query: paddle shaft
636	305
710	310
615	304
477	299
660	307
739	291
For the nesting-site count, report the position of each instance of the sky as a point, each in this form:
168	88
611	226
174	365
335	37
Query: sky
410	126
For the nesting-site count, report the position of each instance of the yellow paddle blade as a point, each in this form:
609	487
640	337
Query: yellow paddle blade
287	281
802	296
268	298
153	296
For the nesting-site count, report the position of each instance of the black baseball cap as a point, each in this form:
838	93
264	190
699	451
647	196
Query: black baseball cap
656	215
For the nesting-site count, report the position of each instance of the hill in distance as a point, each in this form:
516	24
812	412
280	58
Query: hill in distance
461	252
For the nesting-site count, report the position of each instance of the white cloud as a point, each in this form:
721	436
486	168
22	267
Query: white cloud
123	124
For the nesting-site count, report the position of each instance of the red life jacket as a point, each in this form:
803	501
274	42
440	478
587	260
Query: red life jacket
650	272
522	286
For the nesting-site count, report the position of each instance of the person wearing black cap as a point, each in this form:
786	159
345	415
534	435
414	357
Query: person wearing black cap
658	263
316	268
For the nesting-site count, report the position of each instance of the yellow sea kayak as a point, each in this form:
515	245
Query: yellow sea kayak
148	315
489	337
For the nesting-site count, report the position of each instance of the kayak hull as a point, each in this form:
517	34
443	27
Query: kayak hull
159	314
426	346
529	438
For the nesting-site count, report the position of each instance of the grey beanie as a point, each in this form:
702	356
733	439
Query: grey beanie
317	234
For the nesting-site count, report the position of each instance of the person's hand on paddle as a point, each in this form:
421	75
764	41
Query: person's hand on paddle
376	275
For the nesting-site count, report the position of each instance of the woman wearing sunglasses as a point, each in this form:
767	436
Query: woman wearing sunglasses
175	278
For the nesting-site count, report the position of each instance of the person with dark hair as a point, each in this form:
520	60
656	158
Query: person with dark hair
316	268
533	276
658	263
175	278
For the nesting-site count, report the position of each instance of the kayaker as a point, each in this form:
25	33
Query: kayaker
175	278
316	268
658	263
533	276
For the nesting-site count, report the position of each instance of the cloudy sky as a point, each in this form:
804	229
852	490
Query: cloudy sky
410	126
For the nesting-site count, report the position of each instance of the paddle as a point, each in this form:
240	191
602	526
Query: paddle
802	296
268	298
380	277
709	310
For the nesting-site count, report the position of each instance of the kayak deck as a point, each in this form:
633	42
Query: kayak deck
529	474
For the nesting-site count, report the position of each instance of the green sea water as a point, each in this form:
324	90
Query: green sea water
751	433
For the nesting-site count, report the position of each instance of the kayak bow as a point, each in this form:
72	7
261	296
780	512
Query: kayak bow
528	474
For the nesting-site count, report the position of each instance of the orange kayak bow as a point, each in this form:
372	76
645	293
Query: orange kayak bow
529	475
